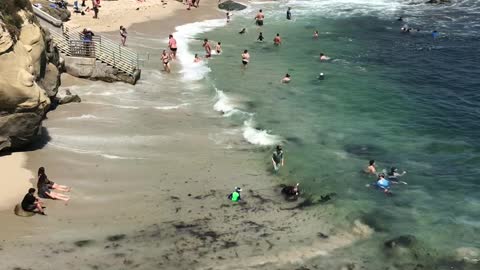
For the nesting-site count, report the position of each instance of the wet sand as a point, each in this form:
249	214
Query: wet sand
150	185
16	178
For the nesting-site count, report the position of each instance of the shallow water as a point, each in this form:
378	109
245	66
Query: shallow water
405	100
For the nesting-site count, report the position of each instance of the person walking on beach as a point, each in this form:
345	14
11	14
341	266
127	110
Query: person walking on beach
277	40
218	48
208	48
172	44
95	5
166	61
123	35
189	4
245	58
289	13
30	203
259	18
277	158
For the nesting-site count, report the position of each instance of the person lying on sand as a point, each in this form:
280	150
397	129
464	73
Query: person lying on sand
30	203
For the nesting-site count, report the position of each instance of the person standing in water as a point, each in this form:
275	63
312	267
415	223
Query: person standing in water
245	58
166	61
260	37
371	168
277	158
208	48
277	40
172	45
197	59
289	13
323	57
259	18
315	34
286	79
218	48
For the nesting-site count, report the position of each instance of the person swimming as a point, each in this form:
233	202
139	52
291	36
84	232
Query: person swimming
383	183
245	58
197	59
260	37
243	31
394	176
315	34
321	76
323	57
286	79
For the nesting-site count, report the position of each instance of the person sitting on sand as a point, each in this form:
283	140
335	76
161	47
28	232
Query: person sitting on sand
235	195
43	179
286	79
277	158
30	203
197	58
277	40
166	61
243	31
44	186
371	168
291	192
323	57
218	48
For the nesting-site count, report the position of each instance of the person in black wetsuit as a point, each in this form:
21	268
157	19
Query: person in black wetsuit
31	204
289	13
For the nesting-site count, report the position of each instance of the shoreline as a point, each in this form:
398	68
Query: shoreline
181	203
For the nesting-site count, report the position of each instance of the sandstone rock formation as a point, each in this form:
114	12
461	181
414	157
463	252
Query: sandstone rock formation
27	64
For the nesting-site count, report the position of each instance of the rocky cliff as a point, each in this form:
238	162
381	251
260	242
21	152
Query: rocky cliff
29	75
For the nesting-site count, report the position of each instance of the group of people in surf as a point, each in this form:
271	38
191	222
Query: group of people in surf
31	203
384	179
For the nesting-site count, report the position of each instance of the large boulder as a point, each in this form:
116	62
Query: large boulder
231	5
24	69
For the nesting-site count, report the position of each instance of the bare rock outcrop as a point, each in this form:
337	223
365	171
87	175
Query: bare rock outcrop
28	80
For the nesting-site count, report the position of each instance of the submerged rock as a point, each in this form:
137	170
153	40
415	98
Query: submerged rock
231	5
402	241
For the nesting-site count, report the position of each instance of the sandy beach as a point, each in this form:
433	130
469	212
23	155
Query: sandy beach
16	178
151	166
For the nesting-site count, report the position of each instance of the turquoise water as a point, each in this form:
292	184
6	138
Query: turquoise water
405	100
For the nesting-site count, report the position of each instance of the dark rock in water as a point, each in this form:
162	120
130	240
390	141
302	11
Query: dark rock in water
68	97
368	151
83	243
437	2
231	5
403	241
295	140
116	237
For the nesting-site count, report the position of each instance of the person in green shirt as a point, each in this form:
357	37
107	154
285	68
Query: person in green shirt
235	195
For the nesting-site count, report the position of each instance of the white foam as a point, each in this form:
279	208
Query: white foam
223	103
185	35
114	105
89	152
171	107
82	117
258	137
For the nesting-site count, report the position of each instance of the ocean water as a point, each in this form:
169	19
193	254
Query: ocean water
406	100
